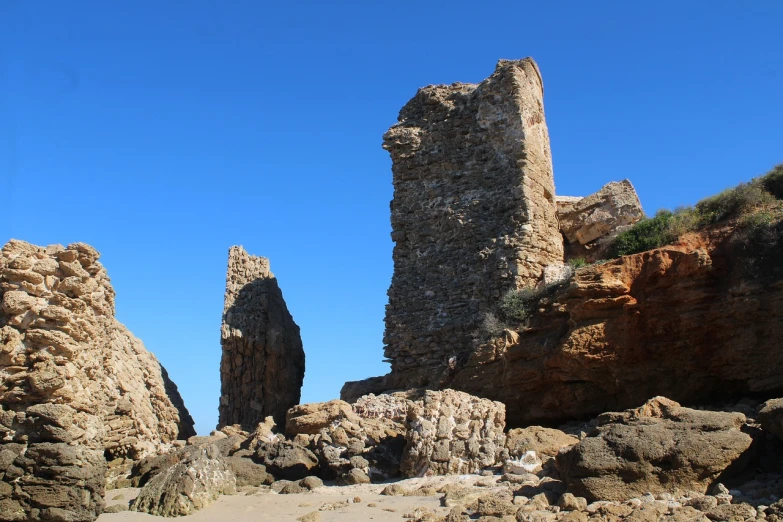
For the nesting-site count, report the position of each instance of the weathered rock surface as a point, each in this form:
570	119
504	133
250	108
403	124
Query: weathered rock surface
770	416
353	445
190	485
74	383
451	432
313	417
660	449
589	224
546	442
287	460
263	363
684	321
473	213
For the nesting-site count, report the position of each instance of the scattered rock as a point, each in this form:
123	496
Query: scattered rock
310	483
313	516
569	502
188	486
247	472
394	490
287	460
292	488
671	449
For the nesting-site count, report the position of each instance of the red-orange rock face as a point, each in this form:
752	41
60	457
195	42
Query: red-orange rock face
692	322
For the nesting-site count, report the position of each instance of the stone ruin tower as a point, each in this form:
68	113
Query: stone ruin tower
263	363
473	213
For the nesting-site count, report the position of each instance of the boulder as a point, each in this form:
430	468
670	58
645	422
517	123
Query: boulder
263	362
190	485
588	224
770	416
451	432
287	460
658	448
313	417
546	442
247	472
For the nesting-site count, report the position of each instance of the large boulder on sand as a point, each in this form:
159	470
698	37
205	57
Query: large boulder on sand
451	432
190	485
660	447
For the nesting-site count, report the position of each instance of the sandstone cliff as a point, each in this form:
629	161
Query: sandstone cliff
694	321
74	384
263	363
473	213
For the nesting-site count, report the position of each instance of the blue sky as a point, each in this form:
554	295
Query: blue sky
162	133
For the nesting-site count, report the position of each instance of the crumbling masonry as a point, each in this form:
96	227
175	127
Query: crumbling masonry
473	214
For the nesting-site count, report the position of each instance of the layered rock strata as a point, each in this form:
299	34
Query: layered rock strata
589	224
74	384
473	213
263	363
694	321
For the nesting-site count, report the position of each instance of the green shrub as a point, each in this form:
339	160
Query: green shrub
733	202
645	235
517	305
773	181
577	262
759	238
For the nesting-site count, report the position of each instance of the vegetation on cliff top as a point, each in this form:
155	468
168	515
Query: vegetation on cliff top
757	205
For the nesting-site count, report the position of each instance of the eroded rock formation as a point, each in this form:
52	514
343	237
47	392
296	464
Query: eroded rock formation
589	224
263	363
473	213
74	383
693	321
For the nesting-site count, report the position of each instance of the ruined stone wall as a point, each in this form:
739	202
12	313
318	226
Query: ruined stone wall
473	213
74	385
262	367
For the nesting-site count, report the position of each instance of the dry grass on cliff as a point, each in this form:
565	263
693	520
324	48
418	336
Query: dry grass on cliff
756	205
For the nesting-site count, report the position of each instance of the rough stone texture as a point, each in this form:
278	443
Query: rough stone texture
313	417
73	384
369	438
589	224
287	460
684	321
546	442
263	362
770	416
659	449
473	213
451	432
188	486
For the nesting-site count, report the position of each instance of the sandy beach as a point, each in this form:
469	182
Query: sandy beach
360	502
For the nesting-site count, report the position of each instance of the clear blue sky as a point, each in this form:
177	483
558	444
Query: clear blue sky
164	132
